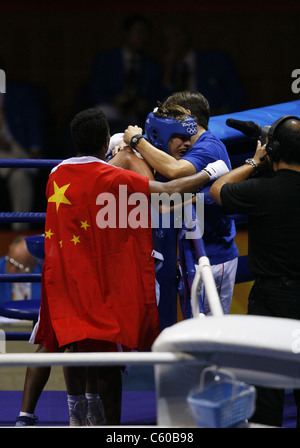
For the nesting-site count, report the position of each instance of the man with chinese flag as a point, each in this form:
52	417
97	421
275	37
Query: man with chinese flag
98	281
98	284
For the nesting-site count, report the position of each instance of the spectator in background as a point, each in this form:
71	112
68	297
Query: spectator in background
212	73
26	128
18	181
125	80
26	114
19	261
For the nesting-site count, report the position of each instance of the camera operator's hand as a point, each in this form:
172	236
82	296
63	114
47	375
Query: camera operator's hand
260	157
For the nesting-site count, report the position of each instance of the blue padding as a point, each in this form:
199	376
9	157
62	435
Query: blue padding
199	247
188	263
262	116
36	245
21	309
167	275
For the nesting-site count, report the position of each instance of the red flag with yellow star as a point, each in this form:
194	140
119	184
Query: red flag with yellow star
98	277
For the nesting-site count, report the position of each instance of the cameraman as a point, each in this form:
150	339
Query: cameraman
273	207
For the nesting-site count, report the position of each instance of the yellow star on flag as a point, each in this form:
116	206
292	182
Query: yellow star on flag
48	234
59	195
84	224
75	239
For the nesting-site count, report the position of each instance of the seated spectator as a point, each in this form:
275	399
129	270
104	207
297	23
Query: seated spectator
19	261
18	181
125	80
213	73
26	122
25	112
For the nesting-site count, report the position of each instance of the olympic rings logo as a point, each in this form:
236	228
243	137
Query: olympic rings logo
191	128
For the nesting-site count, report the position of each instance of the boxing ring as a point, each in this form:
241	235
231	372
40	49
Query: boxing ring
251	347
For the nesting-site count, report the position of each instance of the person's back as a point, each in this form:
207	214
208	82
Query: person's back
98	280
92	247
273	207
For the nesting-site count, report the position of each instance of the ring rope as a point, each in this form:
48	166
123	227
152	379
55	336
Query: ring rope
22	217
20	278
29	163
93	359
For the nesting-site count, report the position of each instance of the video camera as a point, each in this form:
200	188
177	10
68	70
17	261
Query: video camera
250	129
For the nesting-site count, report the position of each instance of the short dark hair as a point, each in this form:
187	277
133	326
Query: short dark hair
195	102
89	131
288	137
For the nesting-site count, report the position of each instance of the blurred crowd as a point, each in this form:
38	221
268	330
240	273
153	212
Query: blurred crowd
126	83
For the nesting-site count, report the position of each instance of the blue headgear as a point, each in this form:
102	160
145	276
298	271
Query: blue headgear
160	130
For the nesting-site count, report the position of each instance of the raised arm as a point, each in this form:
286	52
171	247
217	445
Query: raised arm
160	161
239	174
190	184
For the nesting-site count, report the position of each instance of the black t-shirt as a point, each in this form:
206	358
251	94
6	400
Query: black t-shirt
273	207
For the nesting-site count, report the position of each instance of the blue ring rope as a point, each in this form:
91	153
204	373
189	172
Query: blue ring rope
22	217
17	335
20	278
29	163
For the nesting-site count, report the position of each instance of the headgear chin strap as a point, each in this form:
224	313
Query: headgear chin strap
160	130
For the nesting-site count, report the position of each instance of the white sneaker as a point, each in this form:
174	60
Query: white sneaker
78	415
96	415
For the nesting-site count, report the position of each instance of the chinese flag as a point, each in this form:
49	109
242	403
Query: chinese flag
98	277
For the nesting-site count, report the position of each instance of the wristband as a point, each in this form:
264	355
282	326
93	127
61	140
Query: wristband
206	172
252	163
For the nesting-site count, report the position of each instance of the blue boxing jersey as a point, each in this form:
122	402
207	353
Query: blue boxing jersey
219	228
207	149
